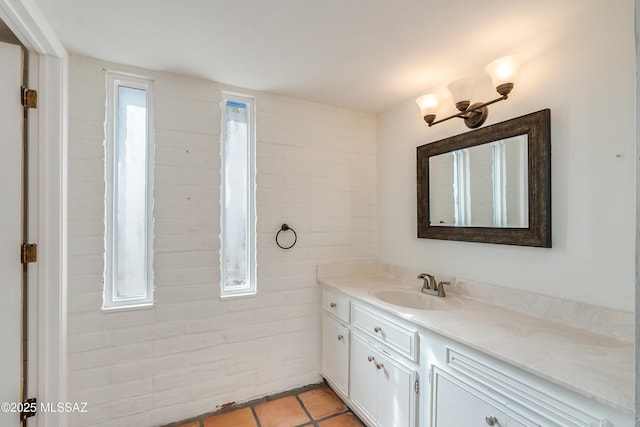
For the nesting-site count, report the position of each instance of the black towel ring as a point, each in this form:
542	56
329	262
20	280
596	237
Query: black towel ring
285	227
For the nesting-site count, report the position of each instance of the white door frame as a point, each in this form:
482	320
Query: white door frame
48	202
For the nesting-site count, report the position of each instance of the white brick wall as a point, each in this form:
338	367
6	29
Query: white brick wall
193	352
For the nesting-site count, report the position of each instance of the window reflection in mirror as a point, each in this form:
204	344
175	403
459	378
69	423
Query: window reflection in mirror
481	186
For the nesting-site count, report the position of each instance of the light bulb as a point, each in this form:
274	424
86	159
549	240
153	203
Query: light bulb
461	92
503	73
428	104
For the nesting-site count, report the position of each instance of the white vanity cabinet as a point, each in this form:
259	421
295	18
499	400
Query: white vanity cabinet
394	371
335	341
397	367
370	359
383	375
383	389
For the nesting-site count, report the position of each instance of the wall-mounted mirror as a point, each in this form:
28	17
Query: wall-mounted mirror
489	185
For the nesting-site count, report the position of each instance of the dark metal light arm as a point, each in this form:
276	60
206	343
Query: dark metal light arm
474	115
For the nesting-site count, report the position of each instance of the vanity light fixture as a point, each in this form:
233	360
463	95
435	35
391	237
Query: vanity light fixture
502	72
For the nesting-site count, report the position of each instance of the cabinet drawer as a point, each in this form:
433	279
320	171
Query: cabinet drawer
397	336
336	304
451	394
524	404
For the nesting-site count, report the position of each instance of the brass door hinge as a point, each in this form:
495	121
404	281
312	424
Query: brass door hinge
28	253
29	98
29	408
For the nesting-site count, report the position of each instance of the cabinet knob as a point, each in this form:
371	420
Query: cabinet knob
371	358
377	329
340	337
491	420
332	305
379	365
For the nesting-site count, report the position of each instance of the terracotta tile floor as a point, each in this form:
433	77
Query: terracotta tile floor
311	406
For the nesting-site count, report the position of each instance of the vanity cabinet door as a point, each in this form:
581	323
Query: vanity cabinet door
382	388
363	378
335	354
455	404
396	393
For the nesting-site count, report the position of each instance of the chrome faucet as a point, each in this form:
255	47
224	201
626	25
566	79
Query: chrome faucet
431	286
429	282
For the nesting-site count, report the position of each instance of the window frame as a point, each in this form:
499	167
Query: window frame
250	224
111	301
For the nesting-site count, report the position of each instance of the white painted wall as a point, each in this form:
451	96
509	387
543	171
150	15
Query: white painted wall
584	71
192	351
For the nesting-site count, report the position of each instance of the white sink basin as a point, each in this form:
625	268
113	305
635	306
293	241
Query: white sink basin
416	299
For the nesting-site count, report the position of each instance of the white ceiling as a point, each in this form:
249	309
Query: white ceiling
362	54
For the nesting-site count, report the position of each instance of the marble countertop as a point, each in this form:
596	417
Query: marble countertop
592	364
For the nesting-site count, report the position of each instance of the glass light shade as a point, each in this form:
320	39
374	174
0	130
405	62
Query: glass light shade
461	89
503	70
428	104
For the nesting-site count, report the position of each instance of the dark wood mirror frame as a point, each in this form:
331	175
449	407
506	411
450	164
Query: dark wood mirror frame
538	128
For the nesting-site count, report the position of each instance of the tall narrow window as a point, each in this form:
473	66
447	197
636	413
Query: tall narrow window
238	235
129	158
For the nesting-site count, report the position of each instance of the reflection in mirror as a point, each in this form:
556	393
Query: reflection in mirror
481	186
